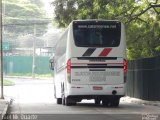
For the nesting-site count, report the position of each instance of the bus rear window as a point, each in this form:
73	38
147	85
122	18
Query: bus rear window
97	34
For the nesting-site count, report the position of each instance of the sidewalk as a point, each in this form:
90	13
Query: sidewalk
139	101
4	104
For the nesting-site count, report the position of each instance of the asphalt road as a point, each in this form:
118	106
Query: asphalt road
33	99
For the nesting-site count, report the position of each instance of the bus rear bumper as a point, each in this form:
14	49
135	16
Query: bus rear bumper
96	90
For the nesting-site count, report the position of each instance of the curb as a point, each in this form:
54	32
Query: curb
7	103
140	101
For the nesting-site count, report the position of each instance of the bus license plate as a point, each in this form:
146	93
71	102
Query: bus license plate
97	88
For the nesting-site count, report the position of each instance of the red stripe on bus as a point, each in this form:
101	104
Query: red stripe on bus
97	63
105	52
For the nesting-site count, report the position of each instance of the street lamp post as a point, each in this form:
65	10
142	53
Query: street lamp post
34	54
1	51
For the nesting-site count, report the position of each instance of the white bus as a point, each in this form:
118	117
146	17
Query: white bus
89	63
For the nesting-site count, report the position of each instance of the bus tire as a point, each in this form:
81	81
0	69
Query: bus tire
67	102
59	100
116	102
97	101
105	103
63	101
63	95
70	102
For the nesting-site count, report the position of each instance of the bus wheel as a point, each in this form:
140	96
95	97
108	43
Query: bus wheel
69	102
105	102
63	95
115	102
97	101
63	99
59	100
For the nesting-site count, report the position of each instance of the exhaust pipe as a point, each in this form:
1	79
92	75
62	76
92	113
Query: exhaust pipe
114	92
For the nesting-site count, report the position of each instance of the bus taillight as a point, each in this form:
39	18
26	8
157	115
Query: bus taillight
69	66
125	70
69	71
125	66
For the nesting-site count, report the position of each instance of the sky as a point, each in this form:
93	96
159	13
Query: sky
48	7
52	32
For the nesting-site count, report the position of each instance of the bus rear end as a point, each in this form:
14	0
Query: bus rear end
97	66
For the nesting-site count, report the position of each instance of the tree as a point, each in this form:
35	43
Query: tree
37	2
22	17
26	41
140	17
51	37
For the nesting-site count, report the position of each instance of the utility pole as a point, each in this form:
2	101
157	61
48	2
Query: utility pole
34	53
1	50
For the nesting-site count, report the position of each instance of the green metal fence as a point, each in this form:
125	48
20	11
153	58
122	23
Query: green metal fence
23	64
143	76
143	79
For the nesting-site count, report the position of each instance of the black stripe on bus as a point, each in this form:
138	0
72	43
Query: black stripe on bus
89	52
97	58
96	66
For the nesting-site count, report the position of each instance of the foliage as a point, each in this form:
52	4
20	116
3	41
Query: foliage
20	17
7	83
21	10
49	75
28	40
140	17
157	48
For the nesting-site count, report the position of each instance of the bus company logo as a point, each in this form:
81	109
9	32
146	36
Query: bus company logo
149	117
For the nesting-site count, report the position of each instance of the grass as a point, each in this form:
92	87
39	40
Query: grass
44	75
30	74
7	83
